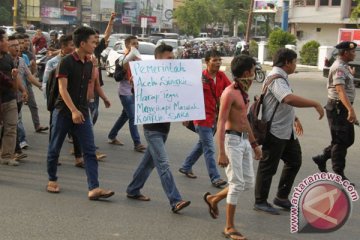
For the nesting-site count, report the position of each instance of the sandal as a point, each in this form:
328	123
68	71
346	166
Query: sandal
139	197
230	235
52	187
180	205
188	174
80	164
219	183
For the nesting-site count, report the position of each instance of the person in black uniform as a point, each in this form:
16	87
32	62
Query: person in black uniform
339	110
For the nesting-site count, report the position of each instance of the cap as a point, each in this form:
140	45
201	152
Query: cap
346	45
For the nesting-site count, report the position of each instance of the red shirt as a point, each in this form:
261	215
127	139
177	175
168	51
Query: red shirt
210	88
39	43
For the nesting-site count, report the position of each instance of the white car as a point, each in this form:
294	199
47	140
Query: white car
177	48
146	50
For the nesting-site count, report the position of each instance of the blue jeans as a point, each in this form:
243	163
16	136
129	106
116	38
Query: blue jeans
206	145
94	109
128	113
61	124
155	156
21	135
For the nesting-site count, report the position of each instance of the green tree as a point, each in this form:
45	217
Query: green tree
355	13
5	12
309	53
278	39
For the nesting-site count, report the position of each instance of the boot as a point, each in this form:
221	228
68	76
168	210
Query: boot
320	161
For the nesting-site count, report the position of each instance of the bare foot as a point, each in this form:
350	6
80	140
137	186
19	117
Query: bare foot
210	199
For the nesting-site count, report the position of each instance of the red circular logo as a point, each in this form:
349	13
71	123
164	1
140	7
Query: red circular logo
325	206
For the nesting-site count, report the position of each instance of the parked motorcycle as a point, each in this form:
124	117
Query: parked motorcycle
259	73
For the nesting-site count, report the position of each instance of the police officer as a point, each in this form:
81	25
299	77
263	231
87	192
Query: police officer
339	110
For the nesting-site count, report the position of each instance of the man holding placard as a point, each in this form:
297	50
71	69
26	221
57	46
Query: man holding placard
156	156
214	83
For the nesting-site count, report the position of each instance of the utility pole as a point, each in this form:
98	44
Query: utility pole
249	21
15	8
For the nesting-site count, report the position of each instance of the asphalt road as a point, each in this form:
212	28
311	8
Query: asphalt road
27	211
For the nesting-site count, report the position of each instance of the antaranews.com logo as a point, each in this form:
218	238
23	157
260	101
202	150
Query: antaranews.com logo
321	203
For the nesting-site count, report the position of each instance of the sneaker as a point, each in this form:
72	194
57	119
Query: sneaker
266	207
115	142
24	145
285	204
19	156
140	148
320	162
100	155
13	162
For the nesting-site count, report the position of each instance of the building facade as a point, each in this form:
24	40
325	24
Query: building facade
319	20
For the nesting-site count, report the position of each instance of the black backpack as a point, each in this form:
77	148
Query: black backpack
119	73
52	90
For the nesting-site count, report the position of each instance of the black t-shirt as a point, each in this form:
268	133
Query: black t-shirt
6	66
158	127
78	75
98	50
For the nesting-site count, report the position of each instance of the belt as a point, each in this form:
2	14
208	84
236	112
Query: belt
240	134
336	101
91	100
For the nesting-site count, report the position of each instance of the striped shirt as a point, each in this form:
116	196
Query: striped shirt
282	125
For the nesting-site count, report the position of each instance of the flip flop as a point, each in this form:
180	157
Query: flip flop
139	197
211	210
180	205
235	233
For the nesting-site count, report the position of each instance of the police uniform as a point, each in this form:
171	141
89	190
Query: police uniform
342	131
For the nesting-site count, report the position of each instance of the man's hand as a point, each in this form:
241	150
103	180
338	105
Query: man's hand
352	70
258	153
14	73
77	117
107	103
113	16
298	127
223	160
24	96
320	110
186	123
352	116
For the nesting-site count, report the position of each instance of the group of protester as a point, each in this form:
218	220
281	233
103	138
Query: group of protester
75	70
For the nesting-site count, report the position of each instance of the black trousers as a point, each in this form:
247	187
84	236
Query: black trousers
275	149
342	135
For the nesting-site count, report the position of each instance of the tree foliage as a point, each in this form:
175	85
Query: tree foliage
195	14
278	39
5	12
309	53
355	13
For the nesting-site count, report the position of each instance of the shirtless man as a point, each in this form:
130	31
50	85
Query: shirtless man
235	140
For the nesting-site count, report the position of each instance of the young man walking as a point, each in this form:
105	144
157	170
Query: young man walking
236	143
156	156
281	141
72	113
214	83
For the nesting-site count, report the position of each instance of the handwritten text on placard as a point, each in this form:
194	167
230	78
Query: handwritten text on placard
167	91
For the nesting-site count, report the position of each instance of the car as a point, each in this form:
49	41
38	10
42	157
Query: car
329	60
177	48
155	37
111	42
146	50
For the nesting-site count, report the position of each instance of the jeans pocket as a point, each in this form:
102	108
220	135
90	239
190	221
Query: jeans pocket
232	141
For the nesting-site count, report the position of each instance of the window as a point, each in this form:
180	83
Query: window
336	3
146	49
318	29
324	2
310	2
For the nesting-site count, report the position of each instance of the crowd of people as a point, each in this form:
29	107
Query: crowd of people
75	70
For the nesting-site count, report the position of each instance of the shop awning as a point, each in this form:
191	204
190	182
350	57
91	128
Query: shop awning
54	21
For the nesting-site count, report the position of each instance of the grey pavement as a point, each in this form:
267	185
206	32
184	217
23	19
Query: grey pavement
28	212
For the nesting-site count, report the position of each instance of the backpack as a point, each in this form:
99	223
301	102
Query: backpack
119	73
52	90
261	127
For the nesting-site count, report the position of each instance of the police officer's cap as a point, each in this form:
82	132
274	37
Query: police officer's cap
346	45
